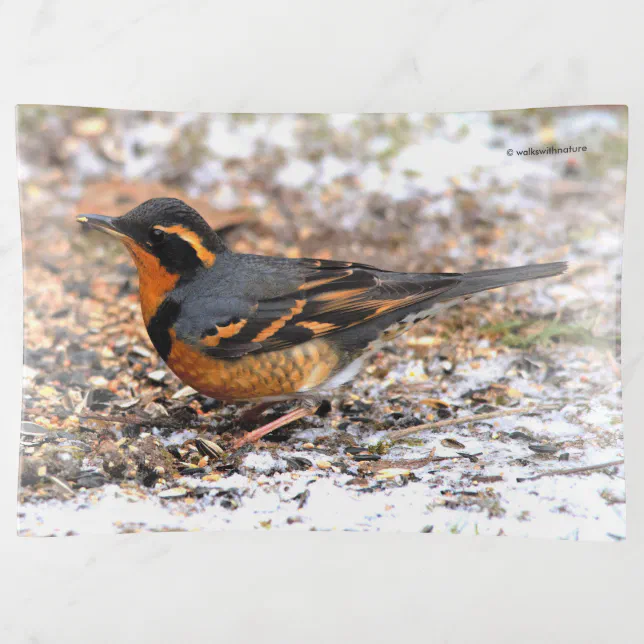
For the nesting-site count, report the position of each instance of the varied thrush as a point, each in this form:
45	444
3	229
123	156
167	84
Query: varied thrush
242	327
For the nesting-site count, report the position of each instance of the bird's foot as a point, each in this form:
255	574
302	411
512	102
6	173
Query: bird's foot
302	410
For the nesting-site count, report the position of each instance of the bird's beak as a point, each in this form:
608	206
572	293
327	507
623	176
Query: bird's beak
101	222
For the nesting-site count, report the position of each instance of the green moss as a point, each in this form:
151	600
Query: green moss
494	510
381	447
516	334
412	442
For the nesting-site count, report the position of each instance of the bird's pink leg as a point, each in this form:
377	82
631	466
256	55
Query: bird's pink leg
260	432
252	414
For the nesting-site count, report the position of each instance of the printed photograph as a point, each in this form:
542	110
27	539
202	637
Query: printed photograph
337	322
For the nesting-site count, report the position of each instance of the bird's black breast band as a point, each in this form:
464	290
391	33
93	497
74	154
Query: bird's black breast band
159	326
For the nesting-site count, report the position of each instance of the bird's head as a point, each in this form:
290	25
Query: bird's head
163	234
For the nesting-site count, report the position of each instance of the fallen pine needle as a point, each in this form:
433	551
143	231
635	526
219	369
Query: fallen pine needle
410	464
573	470
62	485
401	433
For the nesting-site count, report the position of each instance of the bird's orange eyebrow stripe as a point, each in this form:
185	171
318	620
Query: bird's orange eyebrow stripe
207	258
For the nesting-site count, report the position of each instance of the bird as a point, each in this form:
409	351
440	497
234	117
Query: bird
262	329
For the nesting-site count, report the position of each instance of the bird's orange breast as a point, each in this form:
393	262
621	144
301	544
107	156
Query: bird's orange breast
263	375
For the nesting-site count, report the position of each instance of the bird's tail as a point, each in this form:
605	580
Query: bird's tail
497	277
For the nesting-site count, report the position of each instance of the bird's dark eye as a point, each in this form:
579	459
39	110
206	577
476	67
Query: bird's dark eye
156	236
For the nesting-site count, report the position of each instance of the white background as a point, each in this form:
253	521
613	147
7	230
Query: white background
319	56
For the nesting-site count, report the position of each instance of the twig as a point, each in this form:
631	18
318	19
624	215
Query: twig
401	433
166	423
573	470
